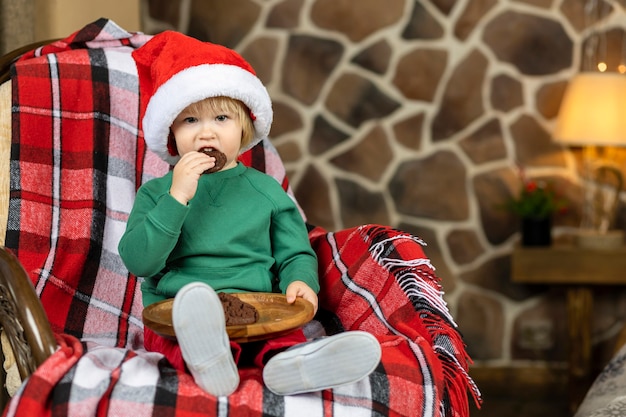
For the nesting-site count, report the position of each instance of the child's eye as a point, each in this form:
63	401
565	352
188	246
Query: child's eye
221	118
190	119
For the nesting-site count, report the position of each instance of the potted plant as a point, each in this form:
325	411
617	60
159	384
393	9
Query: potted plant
535	205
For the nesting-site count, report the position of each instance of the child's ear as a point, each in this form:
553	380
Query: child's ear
171	144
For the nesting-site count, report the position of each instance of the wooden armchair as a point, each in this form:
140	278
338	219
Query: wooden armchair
73	313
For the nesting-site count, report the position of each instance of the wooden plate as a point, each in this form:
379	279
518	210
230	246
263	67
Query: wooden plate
276	317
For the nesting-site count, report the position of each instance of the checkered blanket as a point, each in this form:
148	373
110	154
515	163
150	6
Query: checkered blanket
76	162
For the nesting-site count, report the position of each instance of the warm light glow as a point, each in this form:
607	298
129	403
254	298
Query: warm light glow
593	111
602	66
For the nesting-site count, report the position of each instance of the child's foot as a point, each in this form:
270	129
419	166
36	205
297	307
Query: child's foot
199	324
323	363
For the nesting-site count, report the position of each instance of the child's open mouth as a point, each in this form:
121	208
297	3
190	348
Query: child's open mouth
220	159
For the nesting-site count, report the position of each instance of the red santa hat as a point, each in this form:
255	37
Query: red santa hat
176	70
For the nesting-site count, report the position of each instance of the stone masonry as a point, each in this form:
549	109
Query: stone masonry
416	114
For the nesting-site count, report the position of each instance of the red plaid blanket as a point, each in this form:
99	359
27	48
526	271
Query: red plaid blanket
76	163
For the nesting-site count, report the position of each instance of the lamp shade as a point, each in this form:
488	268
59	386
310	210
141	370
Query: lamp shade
593	111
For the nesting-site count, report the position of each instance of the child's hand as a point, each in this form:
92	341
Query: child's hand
300	289
186	174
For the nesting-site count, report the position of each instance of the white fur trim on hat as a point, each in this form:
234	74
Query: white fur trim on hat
197	83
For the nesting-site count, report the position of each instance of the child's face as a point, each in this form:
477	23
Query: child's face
219	130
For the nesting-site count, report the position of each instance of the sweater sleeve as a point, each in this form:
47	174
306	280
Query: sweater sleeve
152	231
295	258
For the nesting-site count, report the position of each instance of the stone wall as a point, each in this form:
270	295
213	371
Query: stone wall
415	114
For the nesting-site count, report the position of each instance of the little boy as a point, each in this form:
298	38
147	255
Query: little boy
192	233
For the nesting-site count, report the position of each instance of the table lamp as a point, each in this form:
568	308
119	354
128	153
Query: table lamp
593	116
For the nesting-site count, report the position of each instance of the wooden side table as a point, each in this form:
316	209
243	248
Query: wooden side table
578	270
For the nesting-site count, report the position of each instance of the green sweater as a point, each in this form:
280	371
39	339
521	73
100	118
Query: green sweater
240	233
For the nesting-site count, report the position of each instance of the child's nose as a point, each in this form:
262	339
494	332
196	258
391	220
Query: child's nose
207	129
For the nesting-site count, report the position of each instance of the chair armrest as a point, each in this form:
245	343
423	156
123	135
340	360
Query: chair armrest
22	316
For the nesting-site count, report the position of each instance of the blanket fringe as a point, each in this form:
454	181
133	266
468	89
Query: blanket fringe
417	279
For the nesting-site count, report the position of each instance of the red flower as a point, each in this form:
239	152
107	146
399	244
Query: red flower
531	186
536	199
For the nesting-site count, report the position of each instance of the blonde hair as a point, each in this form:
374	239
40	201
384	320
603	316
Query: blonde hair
227	105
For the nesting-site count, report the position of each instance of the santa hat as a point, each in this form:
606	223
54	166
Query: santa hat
176	70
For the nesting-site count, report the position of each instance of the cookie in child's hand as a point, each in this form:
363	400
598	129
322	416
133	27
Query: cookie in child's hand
220	159
237	312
